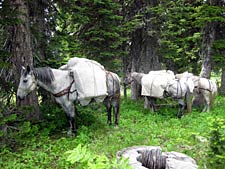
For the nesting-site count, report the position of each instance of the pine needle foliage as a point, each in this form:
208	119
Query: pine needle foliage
92	29
182	23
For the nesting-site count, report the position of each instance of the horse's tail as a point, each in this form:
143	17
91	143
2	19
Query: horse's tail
188	100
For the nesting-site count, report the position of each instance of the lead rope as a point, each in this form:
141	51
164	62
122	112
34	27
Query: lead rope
210	87
75	90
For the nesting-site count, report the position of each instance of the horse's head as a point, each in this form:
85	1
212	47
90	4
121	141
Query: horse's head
134	76
27	82
127	79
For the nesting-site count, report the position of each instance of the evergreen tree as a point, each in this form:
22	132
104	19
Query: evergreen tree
92	29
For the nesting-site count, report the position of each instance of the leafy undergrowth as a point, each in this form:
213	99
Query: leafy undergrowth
49	147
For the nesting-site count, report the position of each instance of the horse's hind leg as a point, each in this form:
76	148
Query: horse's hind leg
116	108
109	110
181	108
207	101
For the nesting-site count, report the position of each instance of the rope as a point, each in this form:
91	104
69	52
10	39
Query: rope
210	87
152	159
67	90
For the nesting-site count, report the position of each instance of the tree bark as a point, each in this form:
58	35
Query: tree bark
207	43
39	32
209	33
222	87
39	37
144	47
22	53
209	36
135	62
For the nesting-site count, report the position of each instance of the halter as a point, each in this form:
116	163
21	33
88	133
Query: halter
67	90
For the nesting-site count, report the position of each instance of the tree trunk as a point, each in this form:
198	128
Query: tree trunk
222	87
144	48
208	38
135	62
39	38
207	42
22	53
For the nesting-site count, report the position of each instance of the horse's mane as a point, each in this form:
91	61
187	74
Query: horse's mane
44	74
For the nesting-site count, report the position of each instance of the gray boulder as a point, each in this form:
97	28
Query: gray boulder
174	160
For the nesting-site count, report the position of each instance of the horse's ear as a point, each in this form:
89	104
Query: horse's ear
23	69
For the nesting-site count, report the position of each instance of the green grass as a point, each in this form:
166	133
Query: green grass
46	149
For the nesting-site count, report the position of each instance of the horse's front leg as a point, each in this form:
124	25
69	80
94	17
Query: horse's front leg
146	103
72	121
71	116
151	103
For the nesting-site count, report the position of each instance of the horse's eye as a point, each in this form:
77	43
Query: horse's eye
25	81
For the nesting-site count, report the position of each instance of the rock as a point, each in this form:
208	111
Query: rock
177	160
132	154
174	160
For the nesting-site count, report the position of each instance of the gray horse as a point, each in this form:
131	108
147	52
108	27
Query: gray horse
204	87
157	85
61	84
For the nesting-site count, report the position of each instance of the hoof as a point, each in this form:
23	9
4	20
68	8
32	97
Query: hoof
179	116
71	133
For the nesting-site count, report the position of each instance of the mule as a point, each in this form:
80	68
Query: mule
203	87
60	82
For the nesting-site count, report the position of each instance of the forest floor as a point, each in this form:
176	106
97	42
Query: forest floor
47	143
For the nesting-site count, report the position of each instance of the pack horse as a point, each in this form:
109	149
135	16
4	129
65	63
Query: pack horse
160	84
202	86
80	81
